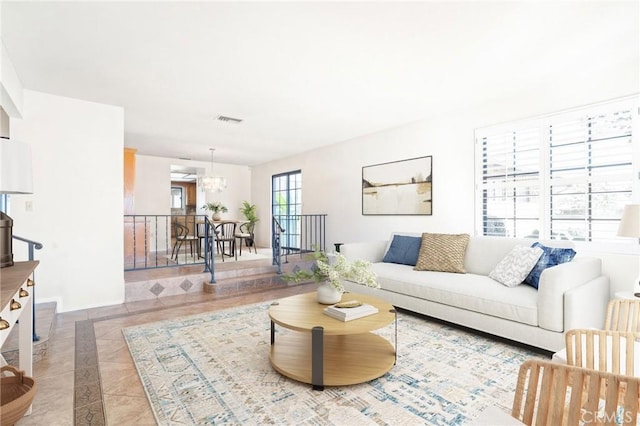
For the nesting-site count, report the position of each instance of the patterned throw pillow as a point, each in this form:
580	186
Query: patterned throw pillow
516	265
442	252
551	256
403	250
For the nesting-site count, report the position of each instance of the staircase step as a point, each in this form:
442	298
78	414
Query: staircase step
235	285
195	281
255	269
250	279
45	322
229	276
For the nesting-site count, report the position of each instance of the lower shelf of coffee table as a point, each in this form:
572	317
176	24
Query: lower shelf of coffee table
348	359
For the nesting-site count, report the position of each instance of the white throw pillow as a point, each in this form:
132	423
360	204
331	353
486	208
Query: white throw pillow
516	265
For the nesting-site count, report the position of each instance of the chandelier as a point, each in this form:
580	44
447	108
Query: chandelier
212	183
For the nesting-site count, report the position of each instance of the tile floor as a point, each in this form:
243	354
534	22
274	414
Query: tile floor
88	376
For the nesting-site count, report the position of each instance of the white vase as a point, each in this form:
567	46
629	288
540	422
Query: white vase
217	216
328	294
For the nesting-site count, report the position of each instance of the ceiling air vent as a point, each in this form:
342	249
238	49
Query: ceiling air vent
226	119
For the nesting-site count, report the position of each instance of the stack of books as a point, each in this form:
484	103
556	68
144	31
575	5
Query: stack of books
358	310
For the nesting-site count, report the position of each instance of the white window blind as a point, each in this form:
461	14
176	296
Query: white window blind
511	183
564	176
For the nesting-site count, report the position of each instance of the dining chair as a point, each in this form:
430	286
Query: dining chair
623	315
613	349
604	350
181	233
202	235
245	233
225	234
556	394
552	394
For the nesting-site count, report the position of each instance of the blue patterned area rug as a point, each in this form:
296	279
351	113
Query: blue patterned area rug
214	369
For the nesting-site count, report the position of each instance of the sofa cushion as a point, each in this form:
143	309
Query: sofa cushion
516	265
484	253
442	252
477	293
551	256
404	250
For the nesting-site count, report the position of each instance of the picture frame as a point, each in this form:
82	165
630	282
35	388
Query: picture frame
403	187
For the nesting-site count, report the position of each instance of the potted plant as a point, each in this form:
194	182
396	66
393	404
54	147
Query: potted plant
249	211
330	270
216	208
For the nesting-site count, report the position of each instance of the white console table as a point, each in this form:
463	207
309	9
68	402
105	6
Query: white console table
16	303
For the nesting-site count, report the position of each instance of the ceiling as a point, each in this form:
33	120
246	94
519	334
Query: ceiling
301	75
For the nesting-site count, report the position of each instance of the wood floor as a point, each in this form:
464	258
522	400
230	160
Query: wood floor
88	376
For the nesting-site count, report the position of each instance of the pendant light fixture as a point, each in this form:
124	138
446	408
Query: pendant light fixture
211	182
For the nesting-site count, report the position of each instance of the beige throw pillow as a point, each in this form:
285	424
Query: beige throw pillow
442	252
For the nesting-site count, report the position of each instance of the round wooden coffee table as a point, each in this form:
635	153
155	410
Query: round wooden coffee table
324	351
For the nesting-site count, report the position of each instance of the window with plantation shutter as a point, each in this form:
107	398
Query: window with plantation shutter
590	174
511	182
563	176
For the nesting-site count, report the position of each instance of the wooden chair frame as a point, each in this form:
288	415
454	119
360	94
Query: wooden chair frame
604	350
226	233
553	394
181	234
245	233
623	315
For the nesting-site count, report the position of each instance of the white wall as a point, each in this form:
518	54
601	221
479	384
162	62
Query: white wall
153	190
331	176
77	204
331	181
11	90
153	185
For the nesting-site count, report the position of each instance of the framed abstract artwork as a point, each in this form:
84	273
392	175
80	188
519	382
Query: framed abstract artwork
398	188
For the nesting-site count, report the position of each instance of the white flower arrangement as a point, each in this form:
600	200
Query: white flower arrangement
334	269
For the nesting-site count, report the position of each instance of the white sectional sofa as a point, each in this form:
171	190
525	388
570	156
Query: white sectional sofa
570	295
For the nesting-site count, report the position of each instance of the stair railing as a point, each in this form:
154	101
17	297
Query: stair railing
149	241
277	230
209	249
297	234
32	245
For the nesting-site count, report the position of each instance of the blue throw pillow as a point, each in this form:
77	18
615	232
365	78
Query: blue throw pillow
404	250
551	256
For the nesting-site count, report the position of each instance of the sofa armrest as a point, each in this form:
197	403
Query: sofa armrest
557	281
586	306
370	251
